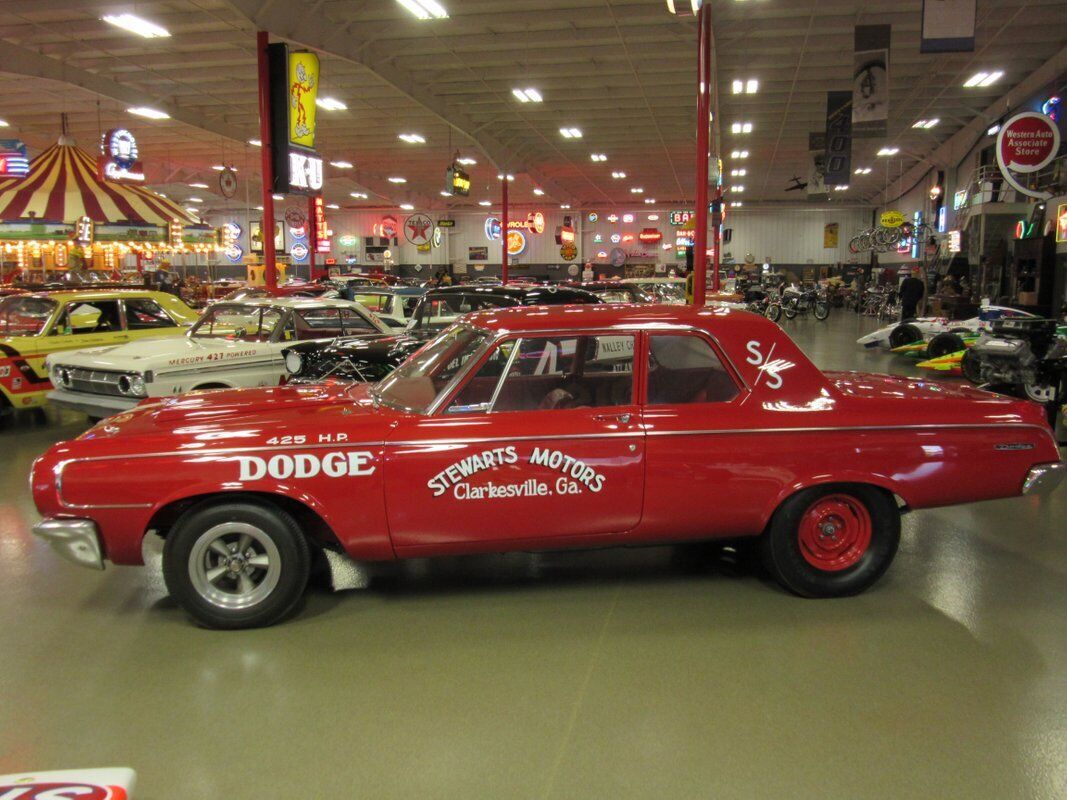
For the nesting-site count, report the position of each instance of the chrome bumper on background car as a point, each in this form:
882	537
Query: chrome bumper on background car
76	540
1044	477
92	404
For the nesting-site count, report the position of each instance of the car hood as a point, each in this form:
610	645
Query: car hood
222	419
164	353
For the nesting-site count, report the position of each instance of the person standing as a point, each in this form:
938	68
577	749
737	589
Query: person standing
912	290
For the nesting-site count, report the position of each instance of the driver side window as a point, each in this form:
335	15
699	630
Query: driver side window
547	373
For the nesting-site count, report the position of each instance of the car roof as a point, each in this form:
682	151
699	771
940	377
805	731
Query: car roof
514	292
63	295
289	302
406	290
611	315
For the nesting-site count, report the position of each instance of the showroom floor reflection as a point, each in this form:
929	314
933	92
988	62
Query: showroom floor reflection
669	672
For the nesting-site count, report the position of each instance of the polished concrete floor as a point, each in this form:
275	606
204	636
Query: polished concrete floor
657	673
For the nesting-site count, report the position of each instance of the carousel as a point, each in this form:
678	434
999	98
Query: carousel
73	212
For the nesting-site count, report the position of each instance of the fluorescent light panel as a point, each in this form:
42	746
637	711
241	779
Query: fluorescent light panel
135	24
980	79
863	171
618	175
741	127
330	104
889	151
739	154
255	142
527	95
539	192
926	123
738	173
751	86
147	113
397	179
467	162
425	9
412	138
571	133
341	164
358	195
407	207
598	157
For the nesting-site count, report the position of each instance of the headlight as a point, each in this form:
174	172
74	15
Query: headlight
61	377
294	362
132	385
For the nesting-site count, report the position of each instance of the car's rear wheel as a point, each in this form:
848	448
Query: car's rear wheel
971	367
904	334
945	344
832	541
236	565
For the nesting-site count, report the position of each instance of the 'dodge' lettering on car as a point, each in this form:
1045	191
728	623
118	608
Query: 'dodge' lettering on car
303	465
577	476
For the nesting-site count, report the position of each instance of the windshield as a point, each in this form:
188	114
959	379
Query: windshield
416	383
25	316
243	323
437	313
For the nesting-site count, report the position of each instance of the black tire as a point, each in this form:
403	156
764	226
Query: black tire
945	344
821	310
774	312
220	604
789	307
904	334
796	566
971	366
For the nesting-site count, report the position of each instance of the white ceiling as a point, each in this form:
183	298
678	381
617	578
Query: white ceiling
621	70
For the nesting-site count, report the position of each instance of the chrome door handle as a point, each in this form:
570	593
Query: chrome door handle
623	418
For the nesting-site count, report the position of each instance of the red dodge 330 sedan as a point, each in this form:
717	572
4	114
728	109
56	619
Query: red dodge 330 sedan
538	428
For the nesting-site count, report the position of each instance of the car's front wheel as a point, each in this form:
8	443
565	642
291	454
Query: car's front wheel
236	565
832	541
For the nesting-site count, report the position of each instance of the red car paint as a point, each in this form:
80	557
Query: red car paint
386	484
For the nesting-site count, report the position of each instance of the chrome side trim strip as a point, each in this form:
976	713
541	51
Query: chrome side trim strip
853	428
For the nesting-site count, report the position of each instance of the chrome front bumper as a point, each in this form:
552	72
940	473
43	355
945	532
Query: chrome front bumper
95	405
76	540
1043	478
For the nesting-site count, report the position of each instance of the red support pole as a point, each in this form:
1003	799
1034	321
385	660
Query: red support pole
313	237
717	243
270	272
700	240
504	233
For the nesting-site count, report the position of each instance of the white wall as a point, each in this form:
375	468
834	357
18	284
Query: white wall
780	234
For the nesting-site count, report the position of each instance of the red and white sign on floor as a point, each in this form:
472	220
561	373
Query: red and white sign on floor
1027	143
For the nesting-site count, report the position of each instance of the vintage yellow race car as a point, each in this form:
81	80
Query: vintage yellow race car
34	325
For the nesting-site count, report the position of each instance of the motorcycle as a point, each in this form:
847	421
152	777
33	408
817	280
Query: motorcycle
801	301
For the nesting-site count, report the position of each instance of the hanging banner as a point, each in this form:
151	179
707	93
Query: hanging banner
948	26
14	159
870	81
838	164
830	235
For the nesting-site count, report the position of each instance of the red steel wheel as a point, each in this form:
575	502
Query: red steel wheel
833	540
834	532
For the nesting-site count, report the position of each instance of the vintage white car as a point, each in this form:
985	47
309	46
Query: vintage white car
233	345
911	331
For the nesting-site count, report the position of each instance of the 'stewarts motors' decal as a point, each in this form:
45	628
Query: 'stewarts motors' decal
577	475
303	465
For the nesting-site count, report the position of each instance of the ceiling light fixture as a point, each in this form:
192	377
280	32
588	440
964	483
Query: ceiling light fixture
445	194
571	133
981	79
650	201
736	204
741	127
341	164
407	207
539	192
485	203
134	24
221	167
843	188
738	173
598	157
618	175
467	162
993	129
889	151
751	86
737	189
412	138
333	206
3	124
566	206
683	7
637	190
527	95
255	142
330	104
863	170
500	177
425	9
397	179
194	200
277	197
358	195
198	186
147	113
926	123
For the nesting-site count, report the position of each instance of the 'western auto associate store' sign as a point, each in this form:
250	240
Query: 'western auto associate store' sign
1027	143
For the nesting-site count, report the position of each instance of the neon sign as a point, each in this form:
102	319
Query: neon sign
535	223
593	216
516	242
613	218
616	238
1061	223
118	161
680	218
322	229
457	182
14	159
650	236
628	218
492	229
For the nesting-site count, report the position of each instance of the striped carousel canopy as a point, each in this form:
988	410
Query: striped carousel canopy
63	185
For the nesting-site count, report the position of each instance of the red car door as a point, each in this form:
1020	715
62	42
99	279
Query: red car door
542	442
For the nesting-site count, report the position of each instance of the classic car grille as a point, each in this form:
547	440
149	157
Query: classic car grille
94	381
